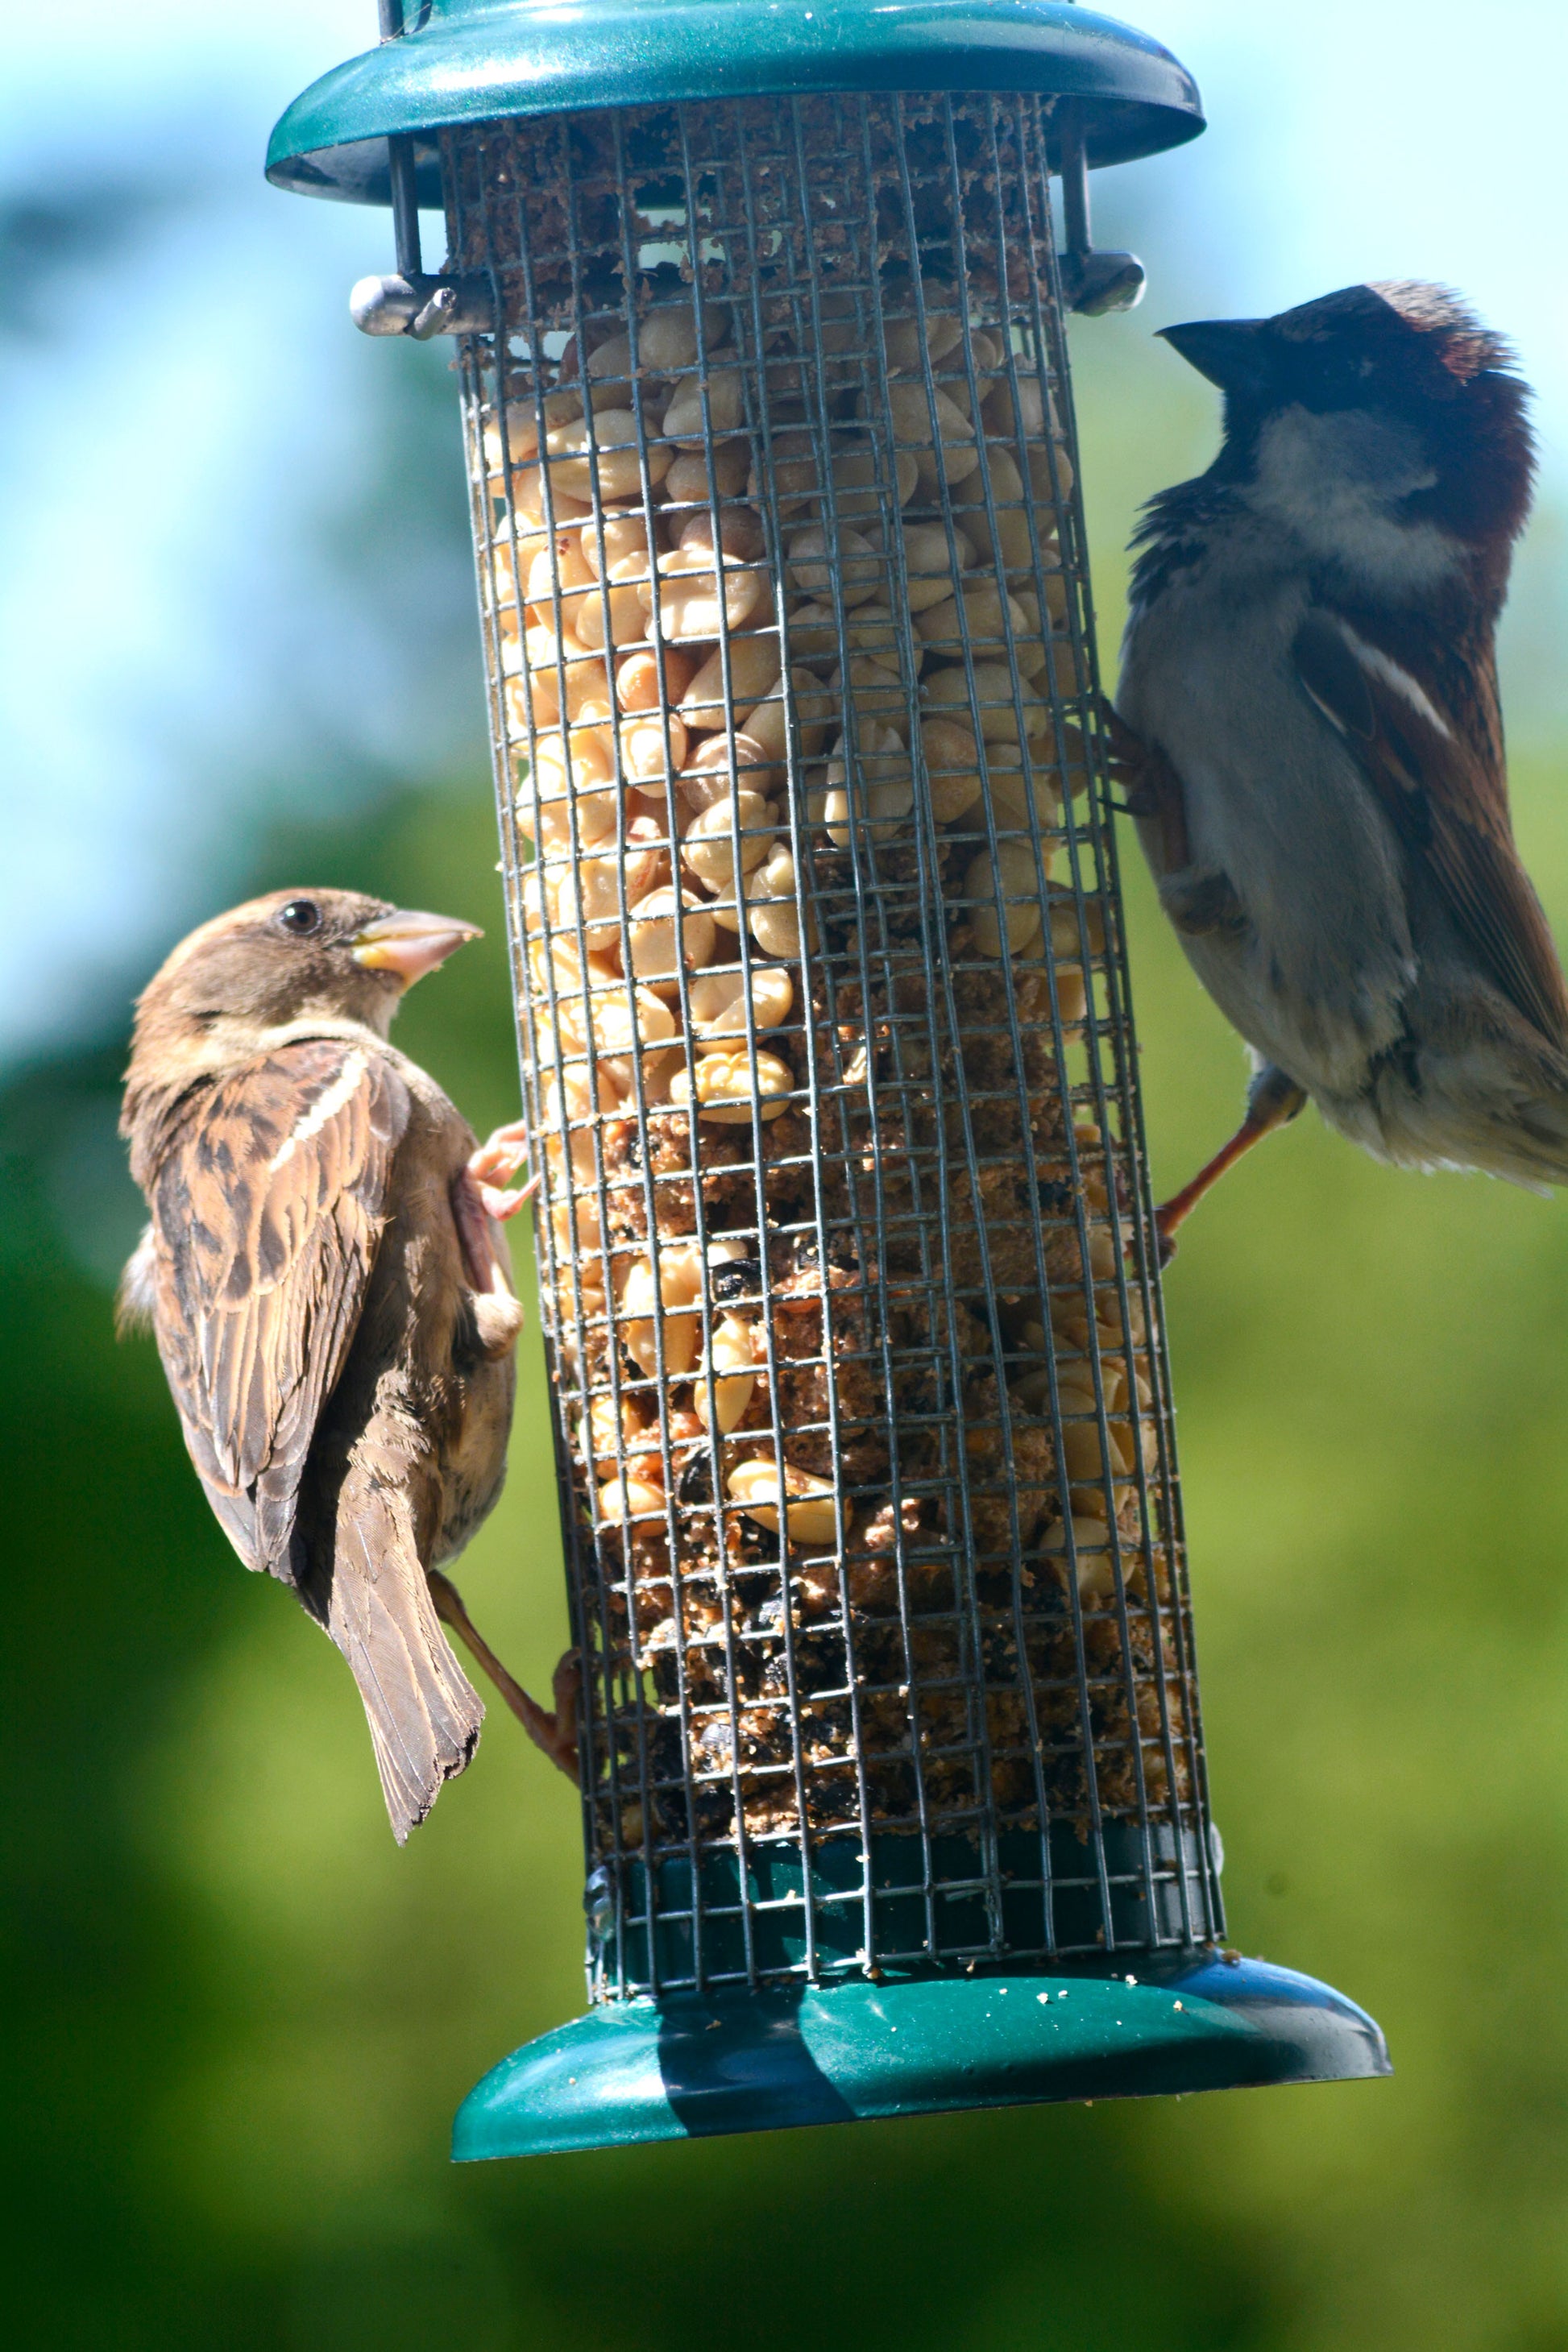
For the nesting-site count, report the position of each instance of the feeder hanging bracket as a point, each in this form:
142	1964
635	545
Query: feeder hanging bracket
1092	283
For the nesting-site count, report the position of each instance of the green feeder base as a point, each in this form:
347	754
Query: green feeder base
692	2065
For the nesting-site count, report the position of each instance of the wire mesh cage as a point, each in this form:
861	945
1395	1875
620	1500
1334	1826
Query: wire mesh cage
850	1280
871	1505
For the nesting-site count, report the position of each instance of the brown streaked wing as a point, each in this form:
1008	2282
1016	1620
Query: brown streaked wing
266	1211
1438	772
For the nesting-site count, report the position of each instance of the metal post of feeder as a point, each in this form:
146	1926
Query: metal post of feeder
894	1787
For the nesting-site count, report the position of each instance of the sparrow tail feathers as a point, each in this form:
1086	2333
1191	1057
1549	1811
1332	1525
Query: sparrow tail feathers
424	1713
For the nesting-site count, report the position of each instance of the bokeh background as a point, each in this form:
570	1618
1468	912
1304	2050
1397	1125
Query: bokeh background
237	649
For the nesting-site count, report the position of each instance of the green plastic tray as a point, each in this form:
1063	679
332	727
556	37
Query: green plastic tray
689	2067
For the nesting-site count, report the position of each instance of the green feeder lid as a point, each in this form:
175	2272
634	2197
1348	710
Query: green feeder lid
475	60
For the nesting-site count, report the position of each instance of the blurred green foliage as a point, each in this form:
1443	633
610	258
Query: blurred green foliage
241	2018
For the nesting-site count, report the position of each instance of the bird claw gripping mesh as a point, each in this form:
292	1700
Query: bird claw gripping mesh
849	1290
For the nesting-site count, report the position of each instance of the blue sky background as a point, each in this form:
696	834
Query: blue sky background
214	604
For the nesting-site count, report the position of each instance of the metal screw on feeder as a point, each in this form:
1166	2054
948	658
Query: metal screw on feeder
849	1279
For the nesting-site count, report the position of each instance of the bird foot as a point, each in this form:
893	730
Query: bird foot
554	1734
1151	788
494	1164
1203	903
1167	1217
560	1743
498	1315
1273	1100
552	1731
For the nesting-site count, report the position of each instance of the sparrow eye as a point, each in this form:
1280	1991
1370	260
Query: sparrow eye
301	916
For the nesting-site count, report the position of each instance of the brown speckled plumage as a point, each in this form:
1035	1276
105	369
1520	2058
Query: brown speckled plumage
342	1366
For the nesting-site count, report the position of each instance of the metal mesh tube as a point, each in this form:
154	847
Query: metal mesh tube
849	1288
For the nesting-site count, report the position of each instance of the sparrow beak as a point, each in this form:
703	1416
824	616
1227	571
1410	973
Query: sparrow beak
411	945
1230	351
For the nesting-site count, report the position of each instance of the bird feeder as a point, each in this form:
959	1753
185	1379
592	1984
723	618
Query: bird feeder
894	1795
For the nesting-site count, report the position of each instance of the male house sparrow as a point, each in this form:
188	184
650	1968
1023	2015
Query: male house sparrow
1308	719
328	1288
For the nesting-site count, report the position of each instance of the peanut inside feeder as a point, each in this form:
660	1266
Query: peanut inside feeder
872	1501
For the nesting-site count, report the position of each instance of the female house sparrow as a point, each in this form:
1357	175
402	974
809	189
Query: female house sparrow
1308	717
330	1292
